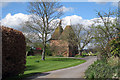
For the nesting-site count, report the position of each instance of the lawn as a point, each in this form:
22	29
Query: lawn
36	65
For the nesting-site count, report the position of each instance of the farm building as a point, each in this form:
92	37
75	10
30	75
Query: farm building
64	42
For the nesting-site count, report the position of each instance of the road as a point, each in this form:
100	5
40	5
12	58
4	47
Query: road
71	72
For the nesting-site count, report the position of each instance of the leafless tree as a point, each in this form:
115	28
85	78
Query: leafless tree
42	20
84	36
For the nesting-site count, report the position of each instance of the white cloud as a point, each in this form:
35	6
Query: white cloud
14	21
74	19
64	9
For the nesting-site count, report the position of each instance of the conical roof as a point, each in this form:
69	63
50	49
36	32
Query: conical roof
57	33
68	34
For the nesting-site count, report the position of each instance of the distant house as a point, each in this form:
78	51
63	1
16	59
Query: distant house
38	51
34	51
63	42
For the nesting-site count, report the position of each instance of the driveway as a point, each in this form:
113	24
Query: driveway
71	72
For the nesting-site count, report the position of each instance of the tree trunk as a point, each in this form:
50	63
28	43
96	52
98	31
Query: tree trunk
43	54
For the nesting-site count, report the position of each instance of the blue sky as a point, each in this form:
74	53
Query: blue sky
84	9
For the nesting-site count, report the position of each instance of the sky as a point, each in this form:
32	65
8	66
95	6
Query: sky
85	9
78	12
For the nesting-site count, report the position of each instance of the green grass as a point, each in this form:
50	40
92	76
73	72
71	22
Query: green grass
35	65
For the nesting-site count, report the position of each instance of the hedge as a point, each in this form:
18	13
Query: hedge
13	52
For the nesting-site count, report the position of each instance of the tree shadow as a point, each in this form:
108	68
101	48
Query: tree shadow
30	68
34	75
29	76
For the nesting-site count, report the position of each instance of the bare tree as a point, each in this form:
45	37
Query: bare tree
84	36
42	20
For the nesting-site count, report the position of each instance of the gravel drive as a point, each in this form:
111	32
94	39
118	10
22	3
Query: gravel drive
71	72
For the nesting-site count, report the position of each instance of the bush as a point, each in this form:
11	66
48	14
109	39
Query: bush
59	55
48	52
115	46
30	52
13	52
95	54
113	61
79	56
101	69
84	54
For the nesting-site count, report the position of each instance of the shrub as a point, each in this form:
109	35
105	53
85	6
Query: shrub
84	54
30	52
95	54
113	61
13	52
59	55
48	50
115	46
101	69
79	56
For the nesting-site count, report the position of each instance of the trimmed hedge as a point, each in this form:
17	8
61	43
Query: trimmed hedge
13	52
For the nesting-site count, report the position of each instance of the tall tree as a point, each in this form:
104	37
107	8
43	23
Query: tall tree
84	36
42	21
105	32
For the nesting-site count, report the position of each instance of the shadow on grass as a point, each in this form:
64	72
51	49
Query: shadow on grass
34	75
27	76
28	68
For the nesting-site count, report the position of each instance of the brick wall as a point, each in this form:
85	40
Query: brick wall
59	47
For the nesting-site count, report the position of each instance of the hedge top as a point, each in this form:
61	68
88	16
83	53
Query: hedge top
9	30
